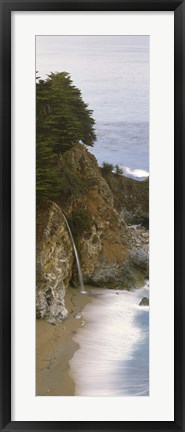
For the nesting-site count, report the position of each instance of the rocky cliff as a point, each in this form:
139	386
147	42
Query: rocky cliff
103	214
54	263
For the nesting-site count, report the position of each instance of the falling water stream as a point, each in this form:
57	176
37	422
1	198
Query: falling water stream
82	290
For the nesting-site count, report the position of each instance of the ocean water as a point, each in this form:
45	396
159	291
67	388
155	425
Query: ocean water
113	354
125	144
113	75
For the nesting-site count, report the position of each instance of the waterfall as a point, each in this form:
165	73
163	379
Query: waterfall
82	290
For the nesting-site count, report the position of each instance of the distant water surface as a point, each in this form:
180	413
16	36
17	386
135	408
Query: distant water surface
125	144
113	75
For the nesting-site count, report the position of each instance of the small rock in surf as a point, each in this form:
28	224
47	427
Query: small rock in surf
144	301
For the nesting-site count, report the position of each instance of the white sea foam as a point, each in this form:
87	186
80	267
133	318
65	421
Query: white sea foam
109	361
135	173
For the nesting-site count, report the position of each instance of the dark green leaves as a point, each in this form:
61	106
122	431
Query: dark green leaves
62	120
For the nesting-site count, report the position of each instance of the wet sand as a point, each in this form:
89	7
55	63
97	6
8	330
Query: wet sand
55	347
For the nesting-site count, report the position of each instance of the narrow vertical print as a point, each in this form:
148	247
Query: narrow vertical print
92	215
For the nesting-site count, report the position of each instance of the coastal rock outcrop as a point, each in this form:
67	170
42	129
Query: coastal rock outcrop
54	263
108	216
111	253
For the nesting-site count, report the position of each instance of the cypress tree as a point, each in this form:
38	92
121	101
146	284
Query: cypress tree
62	120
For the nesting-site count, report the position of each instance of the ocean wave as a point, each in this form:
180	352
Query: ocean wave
112	359
135	173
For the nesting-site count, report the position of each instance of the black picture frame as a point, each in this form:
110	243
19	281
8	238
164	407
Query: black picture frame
6	7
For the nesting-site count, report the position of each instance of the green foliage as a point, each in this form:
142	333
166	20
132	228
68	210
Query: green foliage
81	222
71	183
72	180
106	168
62	115
47	173
62	120
118	170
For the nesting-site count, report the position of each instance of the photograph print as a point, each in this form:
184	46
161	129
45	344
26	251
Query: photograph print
92	215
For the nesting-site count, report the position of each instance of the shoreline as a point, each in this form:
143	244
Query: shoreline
55	347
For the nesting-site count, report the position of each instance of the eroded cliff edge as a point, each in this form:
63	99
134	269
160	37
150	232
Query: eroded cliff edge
104	213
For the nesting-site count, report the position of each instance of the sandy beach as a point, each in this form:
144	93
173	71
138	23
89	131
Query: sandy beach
106	333
55	347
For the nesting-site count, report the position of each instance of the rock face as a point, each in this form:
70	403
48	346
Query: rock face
131	199
113	252
115	265
54	264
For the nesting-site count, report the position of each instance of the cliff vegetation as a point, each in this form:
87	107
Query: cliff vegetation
102	206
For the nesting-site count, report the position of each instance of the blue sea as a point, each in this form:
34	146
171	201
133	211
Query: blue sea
113	75
125	144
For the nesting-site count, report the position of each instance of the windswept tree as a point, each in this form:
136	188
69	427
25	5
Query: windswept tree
62	120
62	115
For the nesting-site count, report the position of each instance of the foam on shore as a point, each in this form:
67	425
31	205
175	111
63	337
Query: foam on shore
110	361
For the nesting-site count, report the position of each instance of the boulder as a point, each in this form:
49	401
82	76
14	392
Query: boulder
144	301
